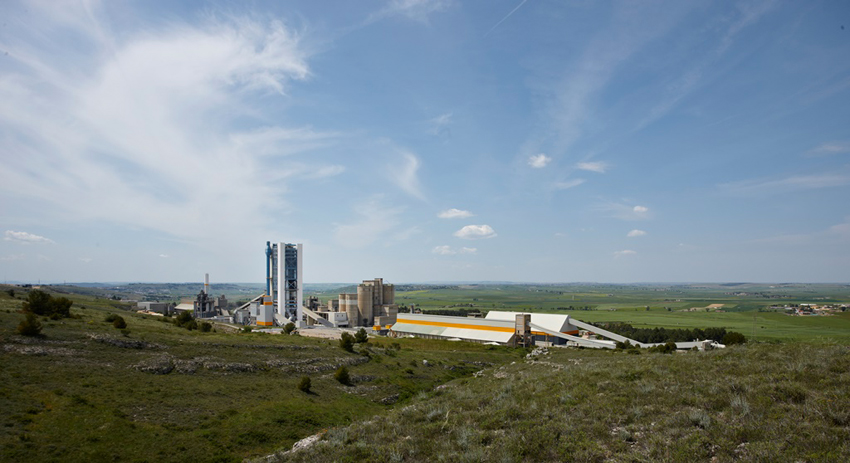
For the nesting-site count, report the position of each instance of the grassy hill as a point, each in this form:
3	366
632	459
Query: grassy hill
85	392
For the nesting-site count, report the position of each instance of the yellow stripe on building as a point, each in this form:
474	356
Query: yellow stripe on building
457	325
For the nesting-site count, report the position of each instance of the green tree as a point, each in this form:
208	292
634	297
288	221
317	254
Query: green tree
289	328
40	303
29	326
361	336
304	384
341	375
347	342
205	327
733	337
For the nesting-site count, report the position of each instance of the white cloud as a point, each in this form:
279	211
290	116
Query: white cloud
416	10
164	256
440	125
25	238
454	214
139	113
472	232
599	166
404	174
635	233
624	211
539	161
625	252
827	149
569	184
446	250
785	185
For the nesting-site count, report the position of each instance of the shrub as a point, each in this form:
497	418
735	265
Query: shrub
341	375
289	328
361	336
733	337
185	320
247	329
347	342
119	322
10	292
29	326
41	303
304	384
205	327
125	332
111	318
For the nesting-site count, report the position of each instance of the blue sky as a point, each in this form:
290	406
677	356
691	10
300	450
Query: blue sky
426	140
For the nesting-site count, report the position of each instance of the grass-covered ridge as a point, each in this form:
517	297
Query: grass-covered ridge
85	391
757	403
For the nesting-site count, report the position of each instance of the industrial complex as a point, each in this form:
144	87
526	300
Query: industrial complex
373	306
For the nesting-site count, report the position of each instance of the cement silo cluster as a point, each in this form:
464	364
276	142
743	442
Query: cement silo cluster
373	305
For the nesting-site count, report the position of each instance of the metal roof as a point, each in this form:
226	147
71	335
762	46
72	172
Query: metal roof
550	321
472	329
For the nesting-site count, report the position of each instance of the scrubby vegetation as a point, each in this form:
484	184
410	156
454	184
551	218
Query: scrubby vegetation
759	403
657	334
41	303
29	326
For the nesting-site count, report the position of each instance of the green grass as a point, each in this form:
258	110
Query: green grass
755	403
76	395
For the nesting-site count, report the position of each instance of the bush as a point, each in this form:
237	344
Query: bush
111	318
341	375
289	328
29	326
119	322
185	320
361	336
247	329
347	342
304	384
733	337
205	327
10	292
41	303
126	333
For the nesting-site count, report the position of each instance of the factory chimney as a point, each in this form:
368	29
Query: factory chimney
207	283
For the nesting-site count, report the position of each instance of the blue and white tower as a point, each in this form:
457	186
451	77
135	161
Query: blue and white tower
284	281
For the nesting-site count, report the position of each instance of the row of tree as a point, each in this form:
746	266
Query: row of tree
653	335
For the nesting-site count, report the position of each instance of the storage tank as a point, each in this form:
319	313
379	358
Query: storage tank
364	305
348	304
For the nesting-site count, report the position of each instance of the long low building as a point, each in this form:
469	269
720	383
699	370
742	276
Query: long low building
499	327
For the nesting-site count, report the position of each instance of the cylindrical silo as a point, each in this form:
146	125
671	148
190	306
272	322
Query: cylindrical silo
364	304
348	304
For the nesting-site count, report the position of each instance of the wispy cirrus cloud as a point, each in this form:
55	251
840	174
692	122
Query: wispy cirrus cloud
598	166
403	172
786	184
25	237
416	10
624	211
447	250
454	214
138	113
474	232
829	149
635	233
439	126
625	253
567	184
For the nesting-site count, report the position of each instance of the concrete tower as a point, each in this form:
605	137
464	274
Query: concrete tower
284	280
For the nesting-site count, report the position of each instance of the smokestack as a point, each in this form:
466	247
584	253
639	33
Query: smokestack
206	283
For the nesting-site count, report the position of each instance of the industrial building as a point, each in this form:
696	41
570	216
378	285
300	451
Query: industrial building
373	305
206	306
505	328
